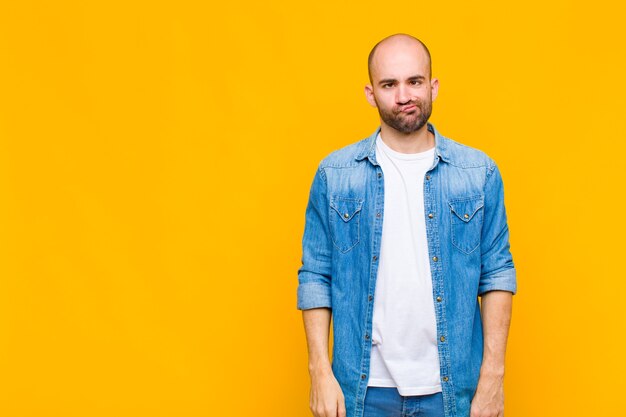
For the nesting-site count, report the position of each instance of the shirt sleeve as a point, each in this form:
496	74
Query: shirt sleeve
314	276
497	268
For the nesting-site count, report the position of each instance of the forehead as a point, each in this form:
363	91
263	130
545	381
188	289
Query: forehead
399	60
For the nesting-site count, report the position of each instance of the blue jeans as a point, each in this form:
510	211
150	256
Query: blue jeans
387	402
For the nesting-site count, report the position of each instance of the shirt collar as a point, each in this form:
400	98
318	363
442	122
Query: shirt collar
368	148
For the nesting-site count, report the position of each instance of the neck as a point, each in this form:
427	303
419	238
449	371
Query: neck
419	141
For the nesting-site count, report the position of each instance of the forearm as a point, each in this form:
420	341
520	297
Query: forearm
496	309
317	327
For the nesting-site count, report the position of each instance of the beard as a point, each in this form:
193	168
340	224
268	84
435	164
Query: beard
407	122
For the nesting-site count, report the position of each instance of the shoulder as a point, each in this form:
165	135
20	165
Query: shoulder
465	156
344	157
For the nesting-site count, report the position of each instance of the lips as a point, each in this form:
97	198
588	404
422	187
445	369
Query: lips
409	108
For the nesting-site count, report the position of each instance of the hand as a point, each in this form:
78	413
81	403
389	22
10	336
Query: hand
326	396
488	400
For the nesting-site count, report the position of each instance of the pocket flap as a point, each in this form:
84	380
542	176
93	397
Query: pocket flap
466	207
346	207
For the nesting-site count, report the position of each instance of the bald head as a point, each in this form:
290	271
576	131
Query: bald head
398	41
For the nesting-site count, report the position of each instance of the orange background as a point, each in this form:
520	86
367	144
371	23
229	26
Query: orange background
155	162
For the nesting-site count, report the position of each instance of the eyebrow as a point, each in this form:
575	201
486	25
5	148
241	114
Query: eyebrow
392	80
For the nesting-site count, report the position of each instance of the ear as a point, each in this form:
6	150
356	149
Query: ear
434	87
369	95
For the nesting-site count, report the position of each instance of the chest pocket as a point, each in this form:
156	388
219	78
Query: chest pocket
466	221
345	216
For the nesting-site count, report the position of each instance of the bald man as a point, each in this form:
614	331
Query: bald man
406	247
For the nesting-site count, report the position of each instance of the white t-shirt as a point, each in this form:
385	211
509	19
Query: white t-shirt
404	333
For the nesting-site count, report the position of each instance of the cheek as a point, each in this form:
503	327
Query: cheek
386	100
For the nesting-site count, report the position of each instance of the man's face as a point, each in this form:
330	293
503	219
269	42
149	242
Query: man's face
401	89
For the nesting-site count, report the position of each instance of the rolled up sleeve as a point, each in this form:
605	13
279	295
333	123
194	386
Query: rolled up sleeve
497	268
314	276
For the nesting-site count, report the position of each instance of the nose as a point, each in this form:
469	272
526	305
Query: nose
403	95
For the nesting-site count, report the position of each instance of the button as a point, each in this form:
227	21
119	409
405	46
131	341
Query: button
430	215
370	297
466	216
375	257
367	336
427	177
438	299
443	339
435	258
380	175
346	215
377	214
445	378
362	376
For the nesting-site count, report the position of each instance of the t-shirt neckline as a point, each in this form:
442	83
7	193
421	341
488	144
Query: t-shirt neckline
404	156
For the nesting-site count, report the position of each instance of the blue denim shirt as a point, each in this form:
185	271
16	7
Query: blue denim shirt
468	245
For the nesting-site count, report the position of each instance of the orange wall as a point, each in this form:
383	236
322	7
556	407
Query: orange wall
156	158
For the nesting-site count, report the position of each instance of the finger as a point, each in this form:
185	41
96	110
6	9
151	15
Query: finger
341	408
328	411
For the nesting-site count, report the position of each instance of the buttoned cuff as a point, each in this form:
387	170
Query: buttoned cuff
502	280
313	295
